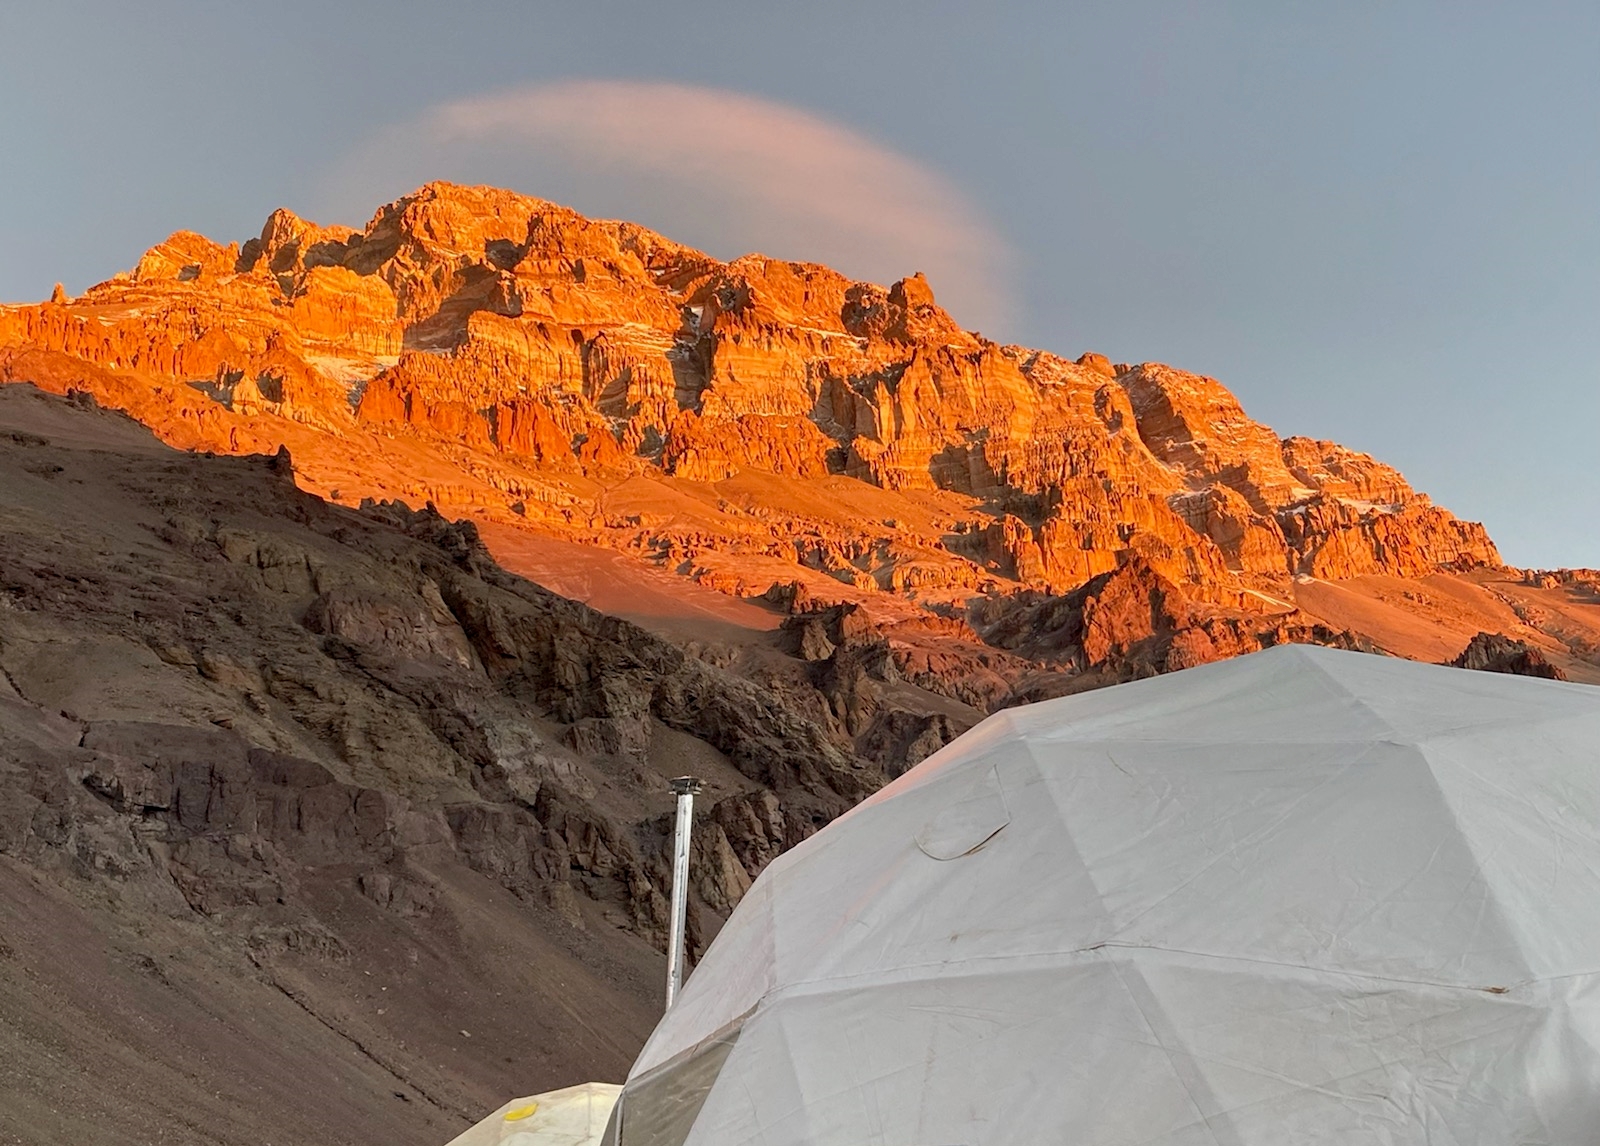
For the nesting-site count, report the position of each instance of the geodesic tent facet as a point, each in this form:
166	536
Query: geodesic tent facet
1302	896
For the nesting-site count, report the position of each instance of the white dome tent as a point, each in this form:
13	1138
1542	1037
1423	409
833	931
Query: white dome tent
1302	896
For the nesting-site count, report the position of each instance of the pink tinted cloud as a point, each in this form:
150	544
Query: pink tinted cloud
721	170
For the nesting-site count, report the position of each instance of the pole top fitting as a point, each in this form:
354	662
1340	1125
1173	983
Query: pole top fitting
686	785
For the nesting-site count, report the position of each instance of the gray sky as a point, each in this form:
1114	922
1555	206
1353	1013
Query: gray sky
1375	222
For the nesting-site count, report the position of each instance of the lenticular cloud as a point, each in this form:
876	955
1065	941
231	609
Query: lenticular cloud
724	171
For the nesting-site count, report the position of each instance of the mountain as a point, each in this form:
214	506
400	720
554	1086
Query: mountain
343	757
773	430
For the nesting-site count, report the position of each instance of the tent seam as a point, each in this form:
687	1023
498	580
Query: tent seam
986	961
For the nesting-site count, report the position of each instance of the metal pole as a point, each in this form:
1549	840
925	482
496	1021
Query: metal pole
685	788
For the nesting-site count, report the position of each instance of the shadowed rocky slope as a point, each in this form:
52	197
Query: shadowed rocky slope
293	792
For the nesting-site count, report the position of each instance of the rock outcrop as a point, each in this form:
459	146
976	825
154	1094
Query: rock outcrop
1496	652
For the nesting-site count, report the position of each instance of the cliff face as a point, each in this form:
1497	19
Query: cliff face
575	375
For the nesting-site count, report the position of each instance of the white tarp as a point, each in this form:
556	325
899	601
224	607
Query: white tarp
1304	896
575	1116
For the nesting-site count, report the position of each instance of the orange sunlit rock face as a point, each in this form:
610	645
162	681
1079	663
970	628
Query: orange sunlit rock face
751	424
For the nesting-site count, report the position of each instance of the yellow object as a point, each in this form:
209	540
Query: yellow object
522	1112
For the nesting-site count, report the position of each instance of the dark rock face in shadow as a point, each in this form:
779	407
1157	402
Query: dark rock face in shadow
332	787
1496	652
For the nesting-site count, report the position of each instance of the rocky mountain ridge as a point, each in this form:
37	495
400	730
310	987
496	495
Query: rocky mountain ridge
550	362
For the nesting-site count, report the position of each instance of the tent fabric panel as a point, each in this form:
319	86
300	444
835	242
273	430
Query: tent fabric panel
1160	1049
1528	806
1297	704
919	1062
660	1106
1302	693
1419	701
875	890
1336	856
1295	1056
